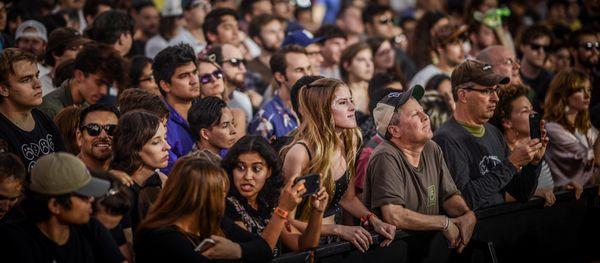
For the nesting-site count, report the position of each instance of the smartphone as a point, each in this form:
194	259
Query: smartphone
535	131
311	182
204	245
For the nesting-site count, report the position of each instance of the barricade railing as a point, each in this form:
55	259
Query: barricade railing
567	231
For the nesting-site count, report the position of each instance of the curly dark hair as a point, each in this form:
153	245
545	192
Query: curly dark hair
504	107
269	194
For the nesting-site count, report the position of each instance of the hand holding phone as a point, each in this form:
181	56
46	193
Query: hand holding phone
204	245
311	183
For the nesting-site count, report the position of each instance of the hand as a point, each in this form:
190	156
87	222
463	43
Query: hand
548	196
577	187
223	249
319	200
291	196
466	224
122	177
524	151
384	229
357	235
452	234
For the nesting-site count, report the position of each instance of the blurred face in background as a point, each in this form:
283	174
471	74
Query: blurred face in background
148	20
332	50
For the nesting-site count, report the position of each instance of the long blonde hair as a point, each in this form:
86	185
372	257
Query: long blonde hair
195	187
317	129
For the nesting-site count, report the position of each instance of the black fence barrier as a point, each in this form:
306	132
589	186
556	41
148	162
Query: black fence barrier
568	231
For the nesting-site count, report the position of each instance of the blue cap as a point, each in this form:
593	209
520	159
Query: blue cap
303	38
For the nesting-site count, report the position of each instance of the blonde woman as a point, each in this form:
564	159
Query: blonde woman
327	142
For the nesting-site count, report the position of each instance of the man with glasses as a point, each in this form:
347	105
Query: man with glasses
585	48
58	209
24	130
482	166
310	44
535	45
97	124
379	22
448	42
276	118
232	61
175	71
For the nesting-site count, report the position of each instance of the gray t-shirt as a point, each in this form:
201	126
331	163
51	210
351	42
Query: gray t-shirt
391	179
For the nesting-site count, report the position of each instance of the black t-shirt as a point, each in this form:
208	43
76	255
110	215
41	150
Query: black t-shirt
540	86
24	242
169	244
30	145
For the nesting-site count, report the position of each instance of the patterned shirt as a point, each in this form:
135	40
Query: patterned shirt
273	120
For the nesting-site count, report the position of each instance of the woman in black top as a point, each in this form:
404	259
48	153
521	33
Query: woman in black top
140	147
256	193
189	210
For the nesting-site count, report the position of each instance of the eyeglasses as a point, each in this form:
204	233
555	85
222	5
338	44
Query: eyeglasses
235	62
94	129
511	62
208	77
538	47
484	91
385	20
589	46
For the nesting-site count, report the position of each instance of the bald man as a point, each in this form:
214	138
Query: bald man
503	62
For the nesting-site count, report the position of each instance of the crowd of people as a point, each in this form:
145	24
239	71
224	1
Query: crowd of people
201	130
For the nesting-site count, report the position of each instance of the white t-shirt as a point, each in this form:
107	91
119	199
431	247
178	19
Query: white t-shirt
242	101
185	36
155	45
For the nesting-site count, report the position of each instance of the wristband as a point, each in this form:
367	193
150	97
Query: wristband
282	213
364	220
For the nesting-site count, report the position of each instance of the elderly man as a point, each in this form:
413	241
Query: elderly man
503	62
407	180
482	166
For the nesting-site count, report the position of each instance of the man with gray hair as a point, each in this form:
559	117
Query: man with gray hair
407	180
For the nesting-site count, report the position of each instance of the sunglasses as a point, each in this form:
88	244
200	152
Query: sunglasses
589	46
385	20
235	62
94	129
538	47
208	77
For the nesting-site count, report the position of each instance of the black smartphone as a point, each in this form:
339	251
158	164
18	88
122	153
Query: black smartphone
204	245
311	183
535	131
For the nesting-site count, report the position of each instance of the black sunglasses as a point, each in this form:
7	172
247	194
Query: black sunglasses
235	62
94	129
208	77
385	20
590	45
538	47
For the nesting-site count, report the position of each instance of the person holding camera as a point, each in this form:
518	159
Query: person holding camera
259	201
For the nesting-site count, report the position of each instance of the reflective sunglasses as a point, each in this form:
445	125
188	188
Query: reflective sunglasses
589	46
538	47
208	77
385	20
235	62
94	129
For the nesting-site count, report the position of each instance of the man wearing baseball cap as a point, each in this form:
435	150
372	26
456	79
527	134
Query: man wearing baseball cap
407	180
58	226
310	43
32	36
483	167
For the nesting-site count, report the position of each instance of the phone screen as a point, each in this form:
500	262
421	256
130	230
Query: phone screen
311	182
535	131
